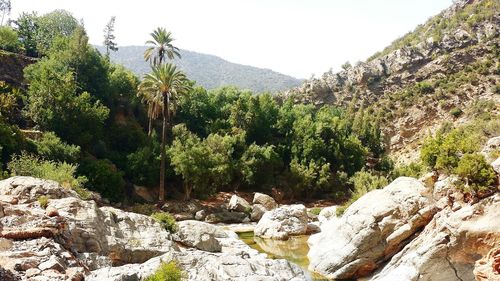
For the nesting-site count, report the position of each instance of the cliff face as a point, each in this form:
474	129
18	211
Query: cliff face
437	73
11	67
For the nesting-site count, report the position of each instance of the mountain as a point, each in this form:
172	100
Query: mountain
445	71
210	71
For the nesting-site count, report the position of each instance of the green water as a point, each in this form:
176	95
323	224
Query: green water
294	250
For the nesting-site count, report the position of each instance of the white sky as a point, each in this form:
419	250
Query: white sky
295	37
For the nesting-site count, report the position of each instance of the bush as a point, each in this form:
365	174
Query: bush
166	220
63	173
43	201
315	211
475	172
456	112
103	177
9	40
414	170
167	272
50	147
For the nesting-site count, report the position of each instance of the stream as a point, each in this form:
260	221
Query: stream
294	250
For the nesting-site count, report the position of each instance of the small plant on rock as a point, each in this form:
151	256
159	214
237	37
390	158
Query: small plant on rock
166	220
167	272
43	201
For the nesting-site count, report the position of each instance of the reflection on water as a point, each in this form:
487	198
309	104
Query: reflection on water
294	249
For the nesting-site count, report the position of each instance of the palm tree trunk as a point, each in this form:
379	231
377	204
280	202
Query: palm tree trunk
150	126
163	143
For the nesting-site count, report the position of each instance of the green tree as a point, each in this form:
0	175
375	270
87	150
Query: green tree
109	37
52	25
9	40
27	29
475	171
159	89
51	147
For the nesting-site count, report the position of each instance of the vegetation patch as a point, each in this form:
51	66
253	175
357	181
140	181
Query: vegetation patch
167	272
166	220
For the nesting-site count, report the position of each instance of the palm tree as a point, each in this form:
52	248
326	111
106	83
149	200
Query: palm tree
159	89
161	46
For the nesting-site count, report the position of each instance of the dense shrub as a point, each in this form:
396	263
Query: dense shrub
456	112
9	40
414	170
166	220
475	172
43	201
103	177
63	173
51	147
167	272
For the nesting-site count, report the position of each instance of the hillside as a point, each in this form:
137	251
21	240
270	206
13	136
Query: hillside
446	70
210	71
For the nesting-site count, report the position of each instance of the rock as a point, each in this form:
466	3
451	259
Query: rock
145	193
199	235
491	146
7	275
200	215
265	200
443	187
372	229
51	211
283	222
32	272
53	263
205	266
226	217
488	268
29	189
183	207
239	204
258	211
327	213
449	246
312	228
496	165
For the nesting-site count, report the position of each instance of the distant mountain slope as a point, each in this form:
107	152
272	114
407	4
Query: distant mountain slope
445	71
210	71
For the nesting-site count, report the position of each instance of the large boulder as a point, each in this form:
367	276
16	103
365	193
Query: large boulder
29	189
239	204
283	222
258	211
200	235
264	200
450	245
371	230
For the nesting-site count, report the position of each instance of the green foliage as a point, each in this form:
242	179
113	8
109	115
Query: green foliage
53	103
456	112
103	177
51	147
143	165
475	172
167	272
30	165
11	141
363	182
58	23
27	28
9	40
315	211
166	220
43	201
414	170
259	166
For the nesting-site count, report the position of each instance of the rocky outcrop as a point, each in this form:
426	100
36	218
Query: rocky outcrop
200	235
491	147
488	268
371	230
258	211
449	246
265	200
81	240
283	222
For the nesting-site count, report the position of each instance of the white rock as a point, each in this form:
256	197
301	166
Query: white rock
283	222
239	204
265	200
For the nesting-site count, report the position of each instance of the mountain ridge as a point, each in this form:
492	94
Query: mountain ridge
210	71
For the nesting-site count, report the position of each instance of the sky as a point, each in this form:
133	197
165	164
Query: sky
295	37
